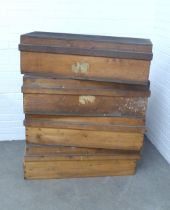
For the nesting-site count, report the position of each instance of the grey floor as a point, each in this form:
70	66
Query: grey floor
149	189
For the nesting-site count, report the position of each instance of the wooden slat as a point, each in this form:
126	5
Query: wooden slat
107	46
86	52
75	168
36	84
126	121
45	162
84	138
119	124
50	104
50	38
99	68
46	152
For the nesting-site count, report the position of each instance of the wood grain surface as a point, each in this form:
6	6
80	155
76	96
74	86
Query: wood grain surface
79	153
120	124
84	138
47	85
38	169
93	45
45	162
99	68
87	41
83	105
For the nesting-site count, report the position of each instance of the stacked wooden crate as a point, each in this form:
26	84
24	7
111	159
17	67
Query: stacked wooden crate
85	100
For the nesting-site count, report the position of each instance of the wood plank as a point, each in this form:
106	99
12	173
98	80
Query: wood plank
79	153
88	44
86	52
85	67
69	169
36	84
84	105
84	138
119	124
128	121
45	162
55	38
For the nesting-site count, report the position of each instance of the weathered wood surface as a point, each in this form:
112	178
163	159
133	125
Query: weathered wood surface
89	41
83	128
36	84
119	124
77	153
75	168
71	97
45	162
100	58
84	105
85	138
86	67
107	46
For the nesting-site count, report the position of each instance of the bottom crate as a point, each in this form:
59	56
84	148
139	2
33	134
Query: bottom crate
71	162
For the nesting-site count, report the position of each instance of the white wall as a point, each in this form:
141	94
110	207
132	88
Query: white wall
142	18
158	116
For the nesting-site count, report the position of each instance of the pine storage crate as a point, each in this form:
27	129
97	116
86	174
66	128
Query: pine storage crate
85	101
89	57
93	132
71	97
49	162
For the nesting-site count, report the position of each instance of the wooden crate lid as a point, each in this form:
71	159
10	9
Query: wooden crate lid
90	45
49	85
47	152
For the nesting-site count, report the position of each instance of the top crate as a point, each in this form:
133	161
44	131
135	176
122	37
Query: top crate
86	57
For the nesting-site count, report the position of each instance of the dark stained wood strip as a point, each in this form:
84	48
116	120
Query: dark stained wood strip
67	36
87	123
87	52
29	78
79	78
39	149
34	84
128	121
64	151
